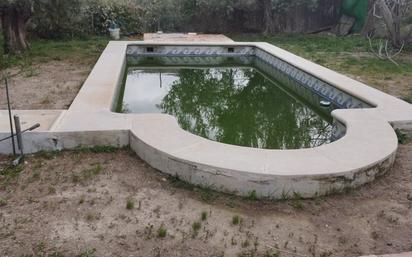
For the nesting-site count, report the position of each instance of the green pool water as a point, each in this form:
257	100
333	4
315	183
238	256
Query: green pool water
226	100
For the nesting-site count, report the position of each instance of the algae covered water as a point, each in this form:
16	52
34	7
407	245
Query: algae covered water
227	100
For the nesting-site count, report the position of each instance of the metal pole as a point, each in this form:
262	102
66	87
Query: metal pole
160	78
23	131
19	135
11	122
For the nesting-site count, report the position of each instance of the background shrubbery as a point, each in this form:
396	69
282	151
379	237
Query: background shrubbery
62	18
75	18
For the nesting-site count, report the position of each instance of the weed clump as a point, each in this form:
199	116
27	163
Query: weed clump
87	174
252	195
11	172
97	149
236	220
130	204
196	226
203	216
161	232
3	202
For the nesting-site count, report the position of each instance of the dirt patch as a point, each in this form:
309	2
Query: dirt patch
51	85
113	204
399	86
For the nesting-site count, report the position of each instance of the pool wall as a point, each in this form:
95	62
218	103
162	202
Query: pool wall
365	151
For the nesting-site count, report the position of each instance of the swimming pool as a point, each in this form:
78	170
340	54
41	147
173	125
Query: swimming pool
359	143
229	100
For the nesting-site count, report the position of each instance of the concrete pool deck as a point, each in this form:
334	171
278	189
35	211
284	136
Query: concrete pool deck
185	37
366	151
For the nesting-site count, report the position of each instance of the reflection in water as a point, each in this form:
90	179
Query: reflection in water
145	89
234	105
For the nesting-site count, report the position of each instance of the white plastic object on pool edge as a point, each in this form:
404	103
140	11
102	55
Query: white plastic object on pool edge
325	103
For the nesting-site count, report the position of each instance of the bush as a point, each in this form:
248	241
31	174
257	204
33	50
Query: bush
57	19
127	15
77	18
62	18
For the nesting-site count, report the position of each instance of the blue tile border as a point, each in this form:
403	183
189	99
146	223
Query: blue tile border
317	86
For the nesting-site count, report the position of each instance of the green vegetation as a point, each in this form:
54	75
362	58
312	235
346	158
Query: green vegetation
87	174
203	216
301	44
84	51
207	194
95	170
48	155
10	172
178	183
130	204
284	196
349	54
271	253
402	138
196	226
3	202
64	19
97	149
252	195
162	231
87	253
236	220
297	201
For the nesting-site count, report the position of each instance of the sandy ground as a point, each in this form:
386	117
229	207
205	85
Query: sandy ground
399	86
51	85
74	202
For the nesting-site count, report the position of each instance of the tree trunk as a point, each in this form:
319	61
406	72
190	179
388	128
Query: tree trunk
13	21
268	19
368	27
392	21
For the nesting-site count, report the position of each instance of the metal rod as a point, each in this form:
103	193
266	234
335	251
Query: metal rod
10	119
28	129
161	82
19	135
